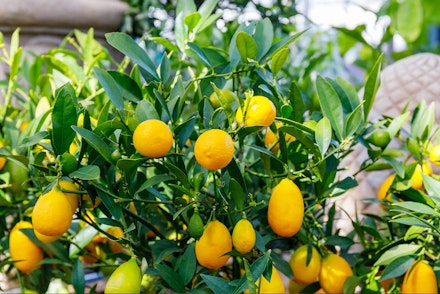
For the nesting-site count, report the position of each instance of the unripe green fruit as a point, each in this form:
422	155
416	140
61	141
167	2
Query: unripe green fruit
195	226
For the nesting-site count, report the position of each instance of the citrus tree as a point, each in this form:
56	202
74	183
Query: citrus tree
202	171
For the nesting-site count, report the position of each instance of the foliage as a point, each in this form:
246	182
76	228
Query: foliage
81	108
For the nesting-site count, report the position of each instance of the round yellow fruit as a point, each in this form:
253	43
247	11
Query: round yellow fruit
73	198
335	270
420	278
275	285
243	236
416	178
52	214
286	209
303	272
271	138
383	192
213	244
153	138
434	154
45	239
260	112
214	149
294	287
126	278
25	254
2	159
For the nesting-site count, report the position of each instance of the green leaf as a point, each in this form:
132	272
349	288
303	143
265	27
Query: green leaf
263	37
192	20
397	251
257	269
166	43
397	123
126	45
397	267
411	221
246	45
172	278
432	186
278	61
283	43
351	284
205	10
199	52
188	264
165	69
145	110
111	88
331	106
410	19
78	276
96	142
216	284
64	115
354	121
335	240
86	173
128	87
323	135
154	181
237	193
371	87
162	249
417	207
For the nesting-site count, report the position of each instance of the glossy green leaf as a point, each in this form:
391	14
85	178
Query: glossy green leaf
145	110
279	60
216	284
397	267
62	67
199	52
410	19
397	251
257	269
64	115
323	135
264	33
172	278
128	87
78	276
246	45
417	207
354	121
162	249
331	106
192	20
187	264
205	10
126	45
237	193
165	69
166	43
371	87
162	178
111	88
344	242
397	123
96	142
86	173
432	186
283	43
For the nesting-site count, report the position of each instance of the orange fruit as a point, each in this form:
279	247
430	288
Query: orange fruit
25	254
420	278
126	278
89	203
271	138
259	112
335	270
95	253
117	233
383	192
153	138
214	243
416	178
303	272
243	236
72	197
214	149
285	209
52	214
2	159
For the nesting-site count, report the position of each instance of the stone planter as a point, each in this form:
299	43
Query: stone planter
44	23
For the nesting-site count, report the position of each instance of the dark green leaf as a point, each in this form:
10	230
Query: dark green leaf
96	142
263	37
397	251
216	284
86	173
237	193
371	87
257	269
341	241
111	88
165	69
128	87
78	276
64	115
397	267
200	53
163	248
172	278
145	110
188	264
155	180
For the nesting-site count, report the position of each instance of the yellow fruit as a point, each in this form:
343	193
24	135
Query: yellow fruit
214	149
260	112
285	209
434	154
45	239
334	272
383	192
118	233
416	178
2	159
270	138
294	287
125	279
73	198
89	203
52	214
420	278
275	285
303	272
24	252
243	236
153	138
214	243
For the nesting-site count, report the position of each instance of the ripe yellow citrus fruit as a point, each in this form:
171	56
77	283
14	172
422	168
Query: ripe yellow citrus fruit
214	243
24	252
2	159
294	287
52	214
214	149
303	272
270	138
153	138
260	112
73	198
434	154
125	279
243	236
383	192
45	239
118	233
228	96
420	278
416	178
285	209
335	270
275	285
